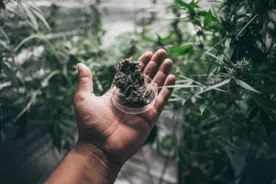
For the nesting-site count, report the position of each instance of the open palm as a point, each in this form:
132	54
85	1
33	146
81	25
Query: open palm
103	125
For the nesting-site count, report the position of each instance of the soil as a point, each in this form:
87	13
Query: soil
130	80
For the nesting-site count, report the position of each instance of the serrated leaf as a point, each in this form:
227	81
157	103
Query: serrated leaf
246	86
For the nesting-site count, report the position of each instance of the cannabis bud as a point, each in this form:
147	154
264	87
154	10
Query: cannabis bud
131	83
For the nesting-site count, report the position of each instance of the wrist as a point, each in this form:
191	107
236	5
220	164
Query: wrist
99	161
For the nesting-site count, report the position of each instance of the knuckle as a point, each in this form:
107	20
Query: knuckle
163	97
79	97
85	80
155	115
142	65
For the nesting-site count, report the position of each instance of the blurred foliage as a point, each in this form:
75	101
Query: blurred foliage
224	60
38	68
229	96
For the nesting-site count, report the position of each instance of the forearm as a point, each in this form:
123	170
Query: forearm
85	164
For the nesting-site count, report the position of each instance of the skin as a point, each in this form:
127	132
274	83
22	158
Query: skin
107	136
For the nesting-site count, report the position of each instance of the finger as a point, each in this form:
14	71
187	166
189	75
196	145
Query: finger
145	59
156	60
164	94
163	72
85	84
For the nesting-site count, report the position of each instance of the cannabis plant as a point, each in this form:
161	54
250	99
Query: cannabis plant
230	108
38	69
225	90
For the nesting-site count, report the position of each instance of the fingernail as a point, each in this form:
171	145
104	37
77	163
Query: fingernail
162	50
79	65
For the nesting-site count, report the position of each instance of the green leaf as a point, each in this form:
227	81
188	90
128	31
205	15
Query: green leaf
213	56
175	6
167	145
180	50
56	135
168	38
34	7
246	86
182	3
202	13
44	21
266	105
39	122
10	74
270	89
202	109
29	38
31	17
45	82
27	107
159	38
190	6
211	62
65	127
193	99
147	39
195	21
5	35
269	76
248	23
216	86
209	19
193	4
265	102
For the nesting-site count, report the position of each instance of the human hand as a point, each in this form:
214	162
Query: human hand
107	136
116	133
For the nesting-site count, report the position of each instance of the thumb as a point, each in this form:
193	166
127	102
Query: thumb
85	84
